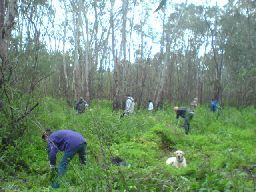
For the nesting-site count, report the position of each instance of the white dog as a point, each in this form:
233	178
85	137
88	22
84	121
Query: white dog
178	161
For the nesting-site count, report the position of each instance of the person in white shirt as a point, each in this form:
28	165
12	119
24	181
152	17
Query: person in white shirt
129	106
194	103
150	105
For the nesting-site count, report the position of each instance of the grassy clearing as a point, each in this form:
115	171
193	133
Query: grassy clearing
220	153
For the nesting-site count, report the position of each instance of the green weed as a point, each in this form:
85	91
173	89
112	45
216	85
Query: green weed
220	152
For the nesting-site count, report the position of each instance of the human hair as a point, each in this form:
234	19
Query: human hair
46	133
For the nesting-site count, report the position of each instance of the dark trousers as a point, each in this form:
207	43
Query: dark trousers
186	124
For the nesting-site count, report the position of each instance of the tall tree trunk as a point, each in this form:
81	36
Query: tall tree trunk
122	52
66	83
218	59
76	76
8	12
115	86
86	54
163	62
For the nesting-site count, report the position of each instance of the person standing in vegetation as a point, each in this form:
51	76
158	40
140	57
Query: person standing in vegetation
186	114
71	143
214	105
194	103
150	106
81	105
129	106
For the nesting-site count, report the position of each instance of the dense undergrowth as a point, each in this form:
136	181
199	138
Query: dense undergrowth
220	152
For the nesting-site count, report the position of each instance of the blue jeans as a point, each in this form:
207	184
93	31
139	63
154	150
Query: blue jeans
80	150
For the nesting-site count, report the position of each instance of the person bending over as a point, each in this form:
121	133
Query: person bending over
68	141
81	105
186	114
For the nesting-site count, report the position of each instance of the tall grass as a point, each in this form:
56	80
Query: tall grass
220	151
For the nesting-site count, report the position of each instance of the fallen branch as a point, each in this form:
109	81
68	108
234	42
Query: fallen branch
26	113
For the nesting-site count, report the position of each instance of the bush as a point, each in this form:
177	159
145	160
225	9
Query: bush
220	152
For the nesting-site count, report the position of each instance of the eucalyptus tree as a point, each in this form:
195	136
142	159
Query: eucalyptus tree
86	41
188	40
116	78
64	60
163	63
8	13
239	27
141	30
212	18
23	55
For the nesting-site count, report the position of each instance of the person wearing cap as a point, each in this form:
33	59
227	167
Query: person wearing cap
186	114
67	141
81	105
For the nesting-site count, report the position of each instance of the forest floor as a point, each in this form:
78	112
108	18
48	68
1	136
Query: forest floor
220	150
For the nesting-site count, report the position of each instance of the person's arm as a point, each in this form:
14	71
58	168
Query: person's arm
77	104
52	152
177	118
177	114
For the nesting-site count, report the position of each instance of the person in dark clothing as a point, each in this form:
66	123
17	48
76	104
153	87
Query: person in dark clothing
214	105
81	105
186	114
71	143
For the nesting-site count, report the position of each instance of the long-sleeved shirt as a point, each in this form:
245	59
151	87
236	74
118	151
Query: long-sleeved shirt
129	105
181	112
81	106
63	140
214	105
150	106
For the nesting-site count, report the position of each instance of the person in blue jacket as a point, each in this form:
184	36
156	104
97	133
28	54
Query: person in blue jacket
214	105
71	143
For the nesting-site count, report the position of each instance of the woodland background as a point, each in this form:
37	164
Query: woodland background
53	52
204	51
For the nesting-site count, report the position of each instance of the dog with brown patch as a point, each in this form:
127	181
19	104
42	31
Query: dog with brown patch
177	161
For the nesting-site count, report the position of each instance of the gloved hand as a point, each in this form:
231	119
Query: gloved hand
52	166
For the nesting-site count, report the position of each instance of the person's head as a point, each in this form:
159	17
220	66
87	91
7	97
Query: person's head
46	134
149	101
175	108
